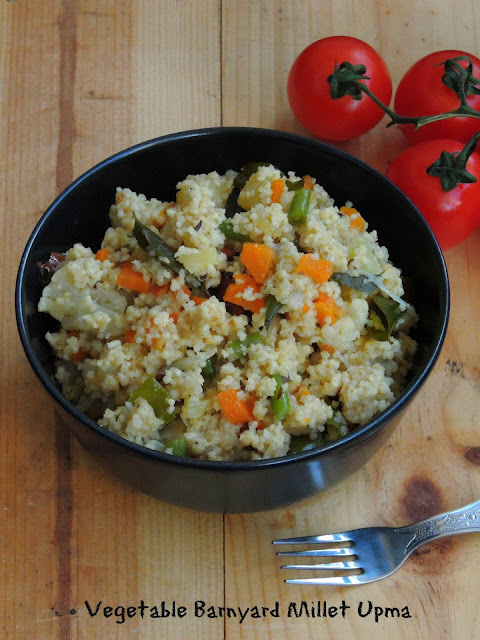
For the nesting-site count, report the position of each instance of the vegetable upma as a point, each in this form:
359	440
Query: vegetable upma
249	319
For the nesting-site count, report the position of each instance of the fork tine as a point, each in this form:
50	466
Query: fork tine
334	581
326	566
323	553
330	537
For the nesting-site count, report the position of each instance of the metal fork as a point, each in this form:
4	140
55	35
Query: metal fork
365	555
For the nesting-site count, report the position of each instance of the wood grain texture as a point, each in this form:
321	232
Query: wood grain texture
176	67
434	473
70	532
142	65
82	79
28	43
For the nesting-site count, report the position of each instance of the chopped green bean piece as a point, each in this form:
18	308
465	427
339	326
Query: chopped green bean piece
239	347
281	407
209	369
332	430
156	396
279	402
178	447
297	213
331	433
301	443
273	307
227	229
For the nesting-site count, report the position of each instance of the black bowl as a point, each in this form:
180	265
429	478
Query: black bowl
80	214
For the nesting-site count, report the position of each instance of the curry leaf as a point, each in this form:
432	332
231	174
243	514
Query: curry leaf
155	246
273	307
246	172
359	283
232	207
388	312
293	185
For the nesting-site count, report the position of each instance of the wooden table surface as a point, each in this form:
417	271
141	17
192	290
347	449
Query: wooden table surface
80	80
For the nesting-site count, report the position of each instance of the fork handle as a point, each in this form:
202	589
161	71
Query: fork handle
463	520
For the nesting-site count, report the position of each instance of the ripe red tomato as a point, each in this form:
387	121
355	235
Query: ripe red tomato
421	92
309	90
452	215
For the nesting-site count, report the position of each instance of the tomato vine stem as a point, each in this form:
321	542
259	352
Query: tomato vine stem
419	121
347	79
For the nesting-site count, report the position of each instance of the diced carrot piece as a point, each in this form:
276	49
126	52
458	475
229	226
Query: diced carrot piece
308	182
102	254
244	278
317	268
250	402
129	337
326	307
277	189
132	280
243	282
174	317
305	308
357	222
158	344
159	289
79	355
185	290
302	391
198	300
258	260
327	347
348	211
150	325
231	293
235	410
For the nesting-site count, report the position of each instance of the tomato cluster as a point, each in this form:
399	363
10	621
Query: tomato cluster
428	88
